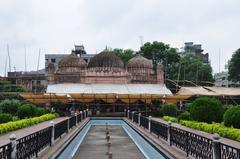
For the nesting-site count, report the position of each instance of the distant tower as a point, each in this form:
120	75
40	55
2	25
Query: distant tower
160	74
51	71
79	50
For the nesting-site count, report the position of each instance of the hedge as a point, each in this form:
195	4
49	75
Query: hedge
13	125
228	132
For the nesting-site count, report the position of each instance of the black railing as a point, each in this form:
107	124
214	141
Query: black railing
72	121
60	129
194	145
161	130
130	115
5	151
199	146
29	146
229	152
79	118
144	122
83	114
135	117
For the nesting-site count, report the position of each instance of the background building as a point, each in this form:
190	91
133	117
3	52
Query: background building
221	79
195	49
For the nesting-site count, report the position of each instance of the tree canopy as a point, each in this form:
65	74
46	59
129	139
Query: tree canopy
160	53
125	55
233	66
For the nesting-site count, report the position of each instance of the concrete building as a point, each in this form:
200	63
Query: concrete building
195	49
34	81
55	58
221	79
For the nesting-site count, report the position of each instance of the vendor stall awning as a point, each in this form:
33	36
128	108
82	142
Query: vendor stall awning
208	91
158	89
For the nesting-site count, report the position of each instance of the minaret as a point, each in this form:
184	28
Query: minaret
51	72
160	74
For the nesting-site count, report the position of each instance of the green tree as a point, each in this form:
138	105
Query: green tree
233	66
192	68
9	106
206	109
232	117
27	110
125	55
160	53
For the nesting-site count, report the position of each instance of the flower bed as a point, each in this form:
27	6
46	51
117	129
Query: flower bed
13	125
228	132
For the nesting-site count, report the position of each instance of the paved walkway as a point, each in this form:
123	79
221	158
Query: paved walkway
95	144
204	134
4	138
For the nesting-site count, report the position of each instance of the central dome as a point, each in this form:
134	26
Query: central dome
106	58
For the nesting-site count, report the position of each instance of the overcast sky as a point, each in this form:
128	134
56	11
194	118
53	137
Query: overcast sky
56	25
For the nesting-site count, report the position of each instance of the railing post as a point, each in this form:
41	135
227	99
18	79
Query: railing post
86	112
149	123
13	140
81	115
139	119
132	115
128	114
53	129
216	147
68	124
76	118
169	132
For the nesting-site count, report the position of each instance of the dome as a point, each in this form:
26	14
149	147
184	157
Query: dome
72	60
139	62
106	59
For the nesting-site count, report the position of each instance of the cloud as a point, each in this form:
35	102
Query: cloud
56	25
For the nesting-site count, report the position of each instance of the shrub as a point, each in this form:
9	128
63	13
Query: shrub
41	111
9	106
26	110
169	109
184	116
232	117
206	110
157	113
4	117
10	126
169	118
231	133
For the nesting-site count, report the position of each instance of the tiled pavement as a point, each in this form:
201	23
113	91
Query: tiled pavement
4	138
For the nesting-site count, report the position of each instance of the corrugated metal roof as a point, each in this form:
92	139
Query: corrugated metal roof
67	88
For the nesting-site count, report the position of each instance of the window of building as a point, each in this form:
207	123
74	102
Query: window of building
53	60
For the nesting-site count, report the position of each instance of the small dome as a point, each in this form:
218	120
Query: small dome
72	60
139	62
106	59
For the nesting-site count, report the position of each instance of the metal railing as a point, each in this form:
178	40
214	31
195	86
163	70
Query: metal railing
161	130
195	145
144	122
72	121
30	145
60	129
5	151
135	117
229	152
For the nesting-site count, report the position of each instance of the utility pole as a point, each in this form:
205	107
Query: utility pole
9	59
38	58
25	57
